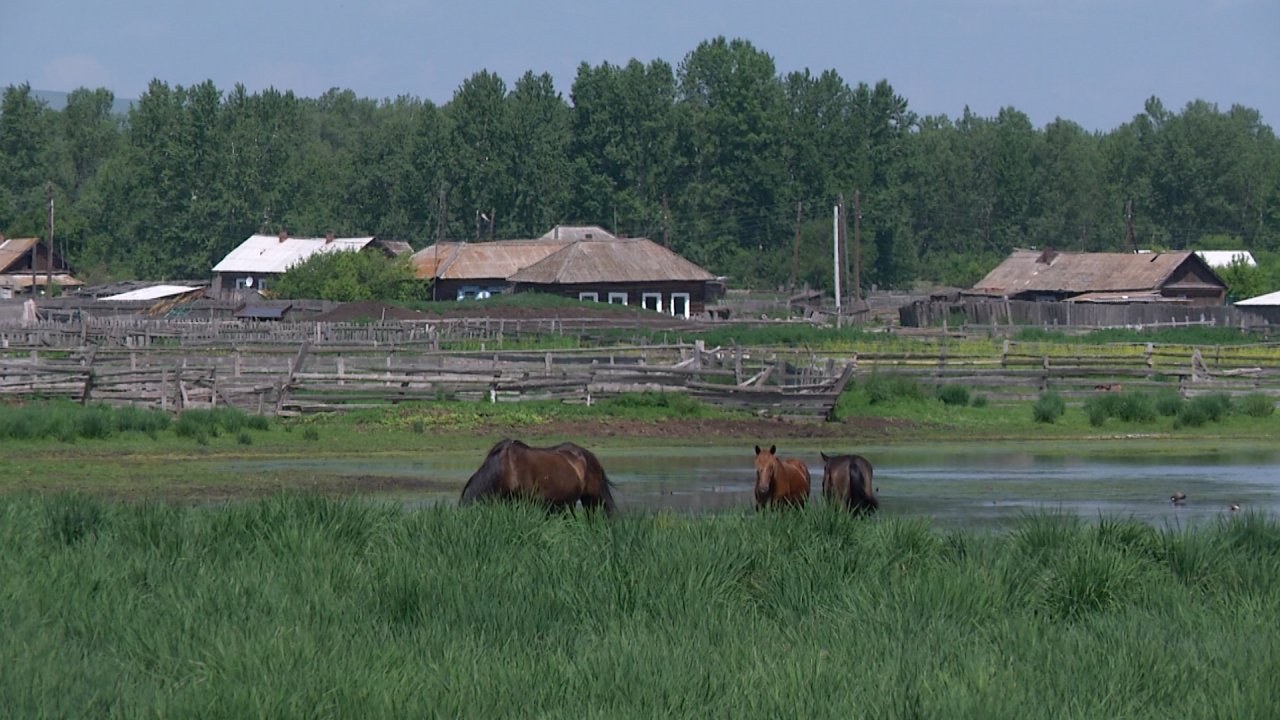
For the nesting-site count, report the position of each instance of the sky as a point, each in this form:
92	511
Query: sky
1094	62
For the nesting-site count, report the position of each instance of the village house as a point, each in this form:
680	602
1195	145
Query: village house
1046	275
19	269
586	263
251	267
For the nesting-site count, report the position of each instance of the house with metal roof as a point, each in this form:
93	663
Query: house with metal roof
1227	258
587	263
27	261
1178	277
256	262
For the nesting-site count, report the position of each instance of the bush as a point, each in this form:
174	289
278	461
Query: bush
886	388
980	401
953	395
1169	403
1203	409
1049	407
1128	407
1257	405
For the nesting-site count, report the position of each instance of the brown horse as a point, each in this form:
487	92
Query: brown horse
778	481
846	479
558	477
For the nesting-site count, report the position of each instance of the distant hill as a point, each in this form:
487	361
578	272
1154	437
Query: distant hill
58	100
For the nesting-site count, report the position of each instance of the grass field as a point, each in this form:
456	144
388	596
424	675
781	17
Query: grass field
300	606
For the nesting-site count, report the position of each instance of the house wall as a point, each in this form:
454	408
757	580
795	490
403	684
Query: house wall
699	297
224	285
1196	283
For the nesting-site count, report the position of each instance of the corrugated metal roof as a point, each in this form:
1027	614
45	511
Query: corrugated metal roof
1268	299
264	311
1023	271
475	261
611	260
155	292
14	248
577	232
1224	258
270	254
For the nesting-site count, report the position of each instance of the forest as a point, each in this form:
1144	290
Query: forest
721	156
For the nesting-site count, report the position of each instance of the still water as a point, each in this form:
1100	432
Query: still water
956	485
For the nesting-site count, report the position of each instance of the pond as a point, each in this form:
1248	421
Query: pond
956	485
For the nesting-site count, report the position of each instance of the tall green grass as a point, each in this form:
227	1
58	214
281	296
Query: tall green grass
304	606
67	421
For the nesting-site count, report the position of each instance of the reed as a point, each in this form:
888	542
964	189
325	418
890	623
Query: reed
299	605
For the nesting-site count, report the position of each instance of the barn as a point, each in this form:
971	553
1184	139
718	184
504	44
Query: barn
1046	275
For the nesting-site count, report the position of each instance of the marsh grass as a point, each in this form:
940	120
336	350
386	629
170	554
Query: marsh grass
298	605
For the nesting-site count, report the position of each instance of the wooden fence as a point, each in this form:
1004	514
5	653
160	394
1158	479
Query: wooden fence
988	312
310	377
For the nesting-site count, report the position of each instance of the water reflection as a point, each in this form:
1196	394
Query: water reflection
955	485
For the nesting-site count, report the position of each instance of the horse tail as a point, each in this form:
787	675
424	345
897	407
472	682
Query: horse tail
606	486
485	480
862	497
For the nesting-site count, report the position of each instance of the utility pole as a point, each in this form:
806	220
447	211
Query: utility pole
844	245
857	244
440	221
835	255
666	223
48	278
1128	220
795	252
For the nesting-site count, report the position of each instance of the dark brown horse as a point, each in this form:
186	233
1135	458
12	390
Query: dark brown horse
846	479
779	481
558	477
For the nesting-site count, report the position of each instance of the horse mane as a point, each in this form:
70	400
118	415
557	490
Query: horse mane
482	481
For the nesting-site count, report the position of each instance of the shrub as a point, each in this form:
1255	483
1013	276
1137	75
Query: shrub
980	401
1128	407
886	388
1049	407
1203	409
1169	403
953	395
1256	405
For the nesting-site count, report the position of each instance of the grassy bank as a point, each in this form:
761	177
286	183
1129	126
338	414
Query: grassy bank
303	606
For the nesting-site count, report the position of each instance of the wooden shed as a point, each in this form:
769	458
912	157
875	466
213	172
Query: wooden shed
1046	275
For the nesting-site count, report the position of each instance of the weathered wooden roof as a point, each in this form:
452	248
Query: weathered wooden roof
1047	271
481	261
12	249
611	260
271	254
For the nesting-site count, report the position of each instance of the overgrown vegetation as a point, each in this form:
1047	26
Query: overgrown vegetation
1048	407
66	421
304	605
351	276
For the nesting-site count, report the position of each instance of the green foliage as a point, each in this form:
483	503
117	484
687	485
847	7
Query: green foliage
889	388
1131	407
95	592
352	276
66	421
953	395
1256	405
1168	403
1203	409
1048	407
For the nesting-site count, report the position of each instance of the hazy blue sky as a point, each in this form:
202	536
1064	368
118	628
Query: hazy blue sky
1091	61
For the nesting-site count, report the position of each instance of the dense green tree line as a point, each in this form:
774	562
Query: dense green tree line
716	153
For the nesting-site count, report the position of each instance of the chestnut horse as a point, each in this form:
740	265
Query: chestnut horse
846	479
558	477
778	481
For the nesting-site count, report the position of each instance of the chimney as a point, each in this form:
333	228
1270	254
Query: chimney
284	235
1047	256
328	237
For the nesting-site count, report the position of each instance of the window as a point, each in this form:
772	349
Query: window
617	298
652	301
680	304
244	283
593	297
